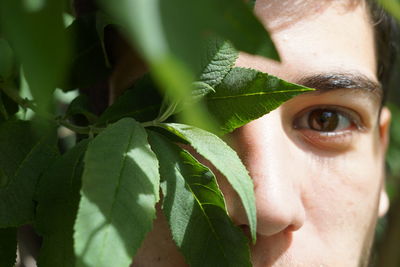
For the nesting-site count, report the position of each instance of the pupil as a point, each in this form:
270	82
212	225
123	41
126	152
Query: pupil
323	120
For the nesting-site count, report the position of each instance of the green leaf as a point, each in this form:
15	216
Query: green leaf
7	61
40	42
102	21
225	160
58	200
120	187
183	28
80	106
8	247
235	21
246	94
87	62
170	34
25	155
392	6
195	209
7	107
140	102
201	89
217	61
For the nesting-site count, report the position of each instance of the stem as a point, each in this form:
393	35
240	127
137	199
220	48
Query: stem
13	94
26	103
79	129
150	123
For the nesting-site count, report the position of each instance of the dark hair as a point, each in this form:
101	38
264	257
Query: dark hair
386	42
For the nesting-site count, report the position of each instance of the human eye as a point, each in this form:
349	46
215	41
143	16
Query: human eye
328	126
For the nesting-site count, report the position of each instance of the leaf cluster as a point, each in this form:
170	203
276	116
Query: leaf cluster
94	199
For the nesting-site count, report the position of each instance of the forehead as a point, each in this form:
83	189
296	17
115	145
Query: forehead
316	36
284	13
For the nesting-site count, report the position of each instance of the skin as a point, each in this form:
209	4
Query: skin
318	193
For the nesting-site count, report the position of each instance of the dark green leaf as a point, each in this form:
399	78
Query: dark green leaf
141	102
8	247
87	62
195	209
120	187
58	199
25	155
37	34
225	160
80	106
246	94
7	107
7	61
102	21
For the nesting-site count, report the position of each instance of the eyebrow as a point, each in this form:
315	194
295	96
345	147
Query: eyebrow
324	82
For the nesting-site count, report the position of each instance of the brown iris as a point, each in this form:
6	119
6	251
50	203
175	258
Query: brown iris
323	120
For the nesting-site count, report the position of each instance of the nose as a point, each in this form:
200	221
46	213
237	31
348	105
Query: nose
267	153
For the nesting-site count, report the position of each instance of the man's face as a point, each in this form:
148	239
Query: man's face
317	161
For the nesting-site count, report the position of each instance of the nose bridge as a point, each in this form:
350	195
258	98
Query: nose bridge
271	161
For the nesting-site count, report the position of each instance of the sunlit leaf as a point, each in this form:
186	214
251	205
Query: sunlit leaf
195	209
246	94
217	61
58	199
120	187
225	160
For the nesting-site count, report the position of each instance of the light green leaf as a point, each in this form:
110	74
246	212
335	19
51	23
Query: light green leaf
195	209
120	187
201	89
8	247
392	6
246	94
218	60
235	21
40	43
225	160
58	199
25	155
185	25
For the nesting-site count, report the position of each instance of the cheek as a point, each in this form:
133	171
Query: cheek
342	193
